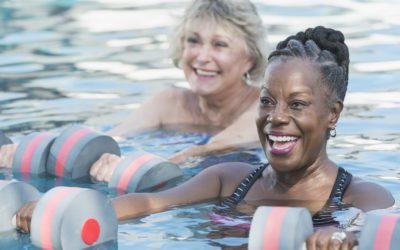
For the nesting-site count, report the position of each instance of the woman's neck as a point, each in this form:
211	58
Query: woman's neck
223	108
318	175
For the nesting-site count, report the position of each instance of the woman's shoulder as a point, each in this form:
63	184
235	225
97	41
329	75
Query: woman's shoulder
238	167
231	174
174	92
368	195
174	97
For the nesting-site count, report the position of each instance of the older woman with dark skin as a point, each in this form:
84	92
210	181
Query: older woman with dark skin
300	103
220	46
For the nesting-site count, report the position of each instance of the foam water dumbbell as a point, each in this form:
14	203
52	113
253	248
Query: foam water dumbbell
280	228
4	139
381	231
73	218
288	228
142	171
76	149
63	218
31	154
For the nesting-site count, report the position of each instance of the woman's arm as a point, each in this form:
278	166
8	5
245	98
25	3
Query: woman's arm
241	133
211	183
368	195
147	116
205	185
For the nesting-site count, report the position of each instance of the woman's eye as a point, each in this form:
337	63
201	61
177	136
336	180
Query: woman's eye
192	40
221	44
297	105
265	101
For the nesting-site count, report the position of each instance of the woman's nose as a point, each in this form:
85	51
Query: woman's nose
204	54
278	116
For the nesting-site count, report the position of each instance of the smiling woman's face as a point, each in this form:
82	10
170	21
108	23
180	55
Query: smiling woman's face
294	114
214	57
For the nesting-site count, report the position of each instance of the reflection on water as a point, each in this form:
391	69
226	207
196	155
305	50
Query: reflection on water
93	61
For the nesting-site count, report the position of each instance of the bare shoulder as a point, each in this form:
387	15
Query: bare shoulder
231	174
233	168
175	98
169	103
367	195
172	94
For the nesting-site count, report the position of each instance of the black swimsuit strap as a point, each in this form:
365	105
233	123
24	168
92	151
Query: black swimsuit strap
342	181
335	201
244	186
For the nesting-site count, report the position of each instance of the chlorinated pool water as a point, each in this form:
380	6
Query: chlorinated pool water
93	61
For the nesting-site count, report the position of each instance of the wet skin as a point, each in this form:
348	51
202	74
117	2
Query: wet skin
294	115
214	58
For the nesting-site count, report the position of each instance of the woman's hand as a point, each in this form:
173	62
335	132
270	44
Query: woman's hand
104	167
183	155
331	238
7	154
24	217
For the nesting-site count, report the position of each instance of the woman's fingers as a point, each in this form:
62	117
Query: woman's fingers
178	157
7	154
24	217
311	241
104	167
183	155
331	238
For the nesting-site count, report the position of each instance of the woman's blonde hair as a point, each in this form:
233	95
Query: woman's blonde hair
240	14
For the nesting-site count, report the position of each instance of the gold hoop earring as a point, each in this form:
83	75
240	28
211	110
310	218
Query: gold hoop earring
332	132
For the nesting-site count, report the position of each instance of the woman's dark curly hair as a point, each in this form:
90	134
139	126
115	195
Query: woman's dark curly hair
324	46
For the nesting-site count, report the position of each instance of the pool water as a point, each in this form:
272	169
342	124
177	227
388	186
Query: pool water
92	62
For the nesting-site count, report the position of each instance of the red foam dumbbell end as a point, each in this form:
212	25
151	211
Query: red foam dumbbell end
90	231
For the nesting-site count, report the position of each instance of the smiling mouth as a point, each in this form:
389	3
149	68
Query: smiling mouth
280	145
205	73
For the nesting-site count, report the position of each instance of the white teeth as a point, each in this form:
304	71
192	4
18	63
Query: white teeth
206	73
282	138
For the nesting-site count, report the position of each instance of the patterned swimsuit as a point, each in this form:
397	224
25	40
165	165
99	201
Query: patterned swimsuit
323	217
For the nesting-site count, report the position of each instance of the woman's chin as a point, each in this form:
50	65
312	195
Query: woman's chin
203	91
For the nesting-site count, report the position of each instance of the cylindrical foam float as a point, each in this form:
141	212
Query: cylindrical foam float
142	171
73	218
14	194
32	152
381	231
275	228
76	149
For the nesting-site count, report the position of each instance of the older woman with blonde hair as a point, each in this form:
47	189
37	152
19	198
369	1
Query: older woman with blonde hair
220	46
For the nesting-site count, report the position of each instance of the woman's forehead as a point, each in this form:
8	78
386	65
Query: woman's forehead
217	26
294	70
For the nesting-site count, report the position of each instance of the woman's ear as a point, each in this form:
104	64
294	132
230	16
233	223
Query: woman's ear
336	109
249	65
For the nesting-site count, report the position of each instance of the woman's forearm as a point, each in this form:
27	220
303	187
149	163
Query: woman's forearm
132	205
139	204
